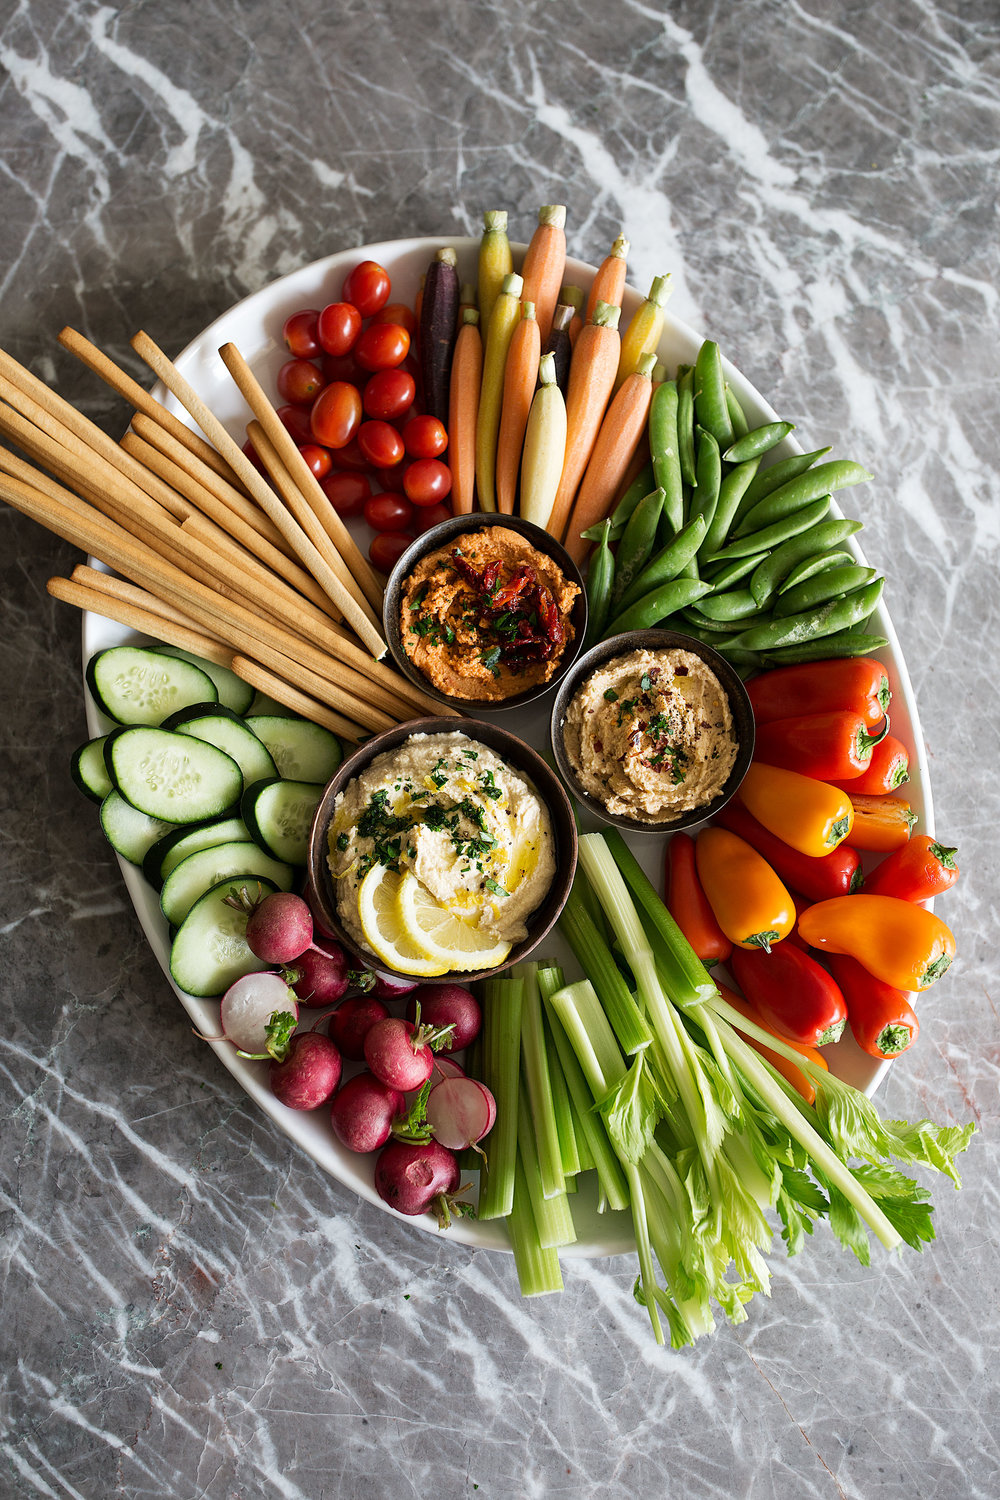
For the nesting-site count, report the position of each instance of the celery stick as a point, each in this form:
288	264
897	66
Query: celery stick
502	1001
596	960
538	1270
569	1146
688	981
553	1220
535	1071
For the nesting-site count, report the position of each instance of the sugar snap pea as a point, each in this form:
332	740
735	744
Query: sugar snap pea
837	475
765	579
819	562
636	543
735	604
834	616
658	605
723	575
664	449
737	419
766	481
708	471
685	423
758	441
731	491
667	563
824	586
717	629
600	576
710	409
841	643
772	536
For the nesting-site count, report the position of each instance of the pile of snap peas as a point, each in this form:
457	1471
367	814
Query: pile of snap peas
744	558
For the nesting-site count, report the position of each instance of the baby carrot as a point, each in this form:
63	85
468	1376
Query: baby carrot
608	284
544	446
520	375
544	262
643	332
463	405
495	261
591	378
618	440
503	321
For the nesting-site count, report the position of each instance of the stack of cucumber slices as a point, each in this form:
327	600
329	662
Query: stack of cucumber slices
208	790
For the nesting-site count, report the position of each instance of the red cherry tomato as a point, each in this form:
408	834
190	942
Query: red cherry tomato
346	492
337	327
431	515
350	457
336	414
367	286
427	481
425	437
380	443
398	312
341	367
382	346
386	549
295	419
299	381
318	459
391	479
389	394
300	334
388	513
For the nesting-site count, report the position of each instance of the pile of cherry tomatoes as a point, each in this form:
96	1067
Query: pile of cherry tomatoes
351	394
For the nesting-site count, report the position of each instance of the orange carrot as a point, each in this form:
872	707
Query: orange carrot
544	261
619	439
519	378
591	376
463	408
608	284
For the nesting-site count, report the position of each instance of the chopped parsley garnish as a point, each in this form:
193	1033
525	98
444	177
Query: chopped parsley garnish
489	786
610	696
343	842
496	890
491	660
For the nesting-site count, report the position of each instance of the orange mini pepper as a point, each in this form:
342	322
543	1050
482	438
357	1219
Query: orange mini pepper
896	940
880	823
750	903
810	815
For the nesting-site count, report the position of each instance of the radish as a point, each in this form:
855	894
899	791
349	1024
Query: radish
413	1178
392	989
258	1015
400	1053
364	1111
460	1111
310	1074
352	1021
446	1067
448	1005
322	974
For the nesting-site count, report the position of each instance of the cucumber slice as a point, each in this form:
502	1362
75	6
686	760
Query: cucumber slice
279	815
301	751
206	867
130	832
234	693
209	950
174	777
230	735
88	770
133	685
167	853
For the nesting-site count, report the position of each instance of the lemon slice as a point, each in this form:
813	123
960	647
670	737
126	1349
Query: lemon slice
385	933
441	934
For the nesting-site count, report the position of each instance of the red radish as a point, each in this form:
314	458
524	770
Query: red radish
279	927
258	1015
310	1074
413	1178
443	1005
391	989
400	1053
322	975
364	1111
352	1021
460	1111
446	1067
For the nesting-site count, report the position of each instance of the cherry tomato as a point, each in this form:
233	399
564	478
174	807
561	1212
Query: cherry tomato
296	420
350	457
346	492
425	437
299	381
427	481
300	334
250	452
367	286
341	367
382	346
391	479
337	327
398	312
318	459
389	394
336	414
386	549
431	515
380	443
388	513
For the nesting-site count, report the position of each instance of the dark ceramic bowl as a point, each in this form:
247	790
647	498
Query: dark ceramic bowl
453	530
519	755
655	640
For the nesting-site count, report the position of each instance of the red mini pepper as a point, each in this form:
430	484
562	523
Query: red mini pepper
832	746
857	683
818	877
788	1070
795	995
688	905
920	869
888	768
881	1018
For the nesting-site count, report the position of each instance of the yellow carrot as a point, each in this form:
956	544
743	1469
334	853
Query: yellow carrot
463	407
519	377
544	263
495	262
591	378
622	432
503	320
608	284
645	327
544	446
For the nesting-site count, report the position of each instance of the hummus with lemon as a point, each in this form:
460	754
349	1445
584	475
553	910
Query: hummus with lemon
650	735
439	852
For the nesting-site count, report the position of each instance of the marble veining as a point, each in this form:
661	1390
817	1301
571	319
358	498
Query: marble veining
190	1309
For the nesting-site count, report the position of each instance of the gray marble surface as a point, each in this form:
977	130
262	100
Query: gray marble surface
189	1308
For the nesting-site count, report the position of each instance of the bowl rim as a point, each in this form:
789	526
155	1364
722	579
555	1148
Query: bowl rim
437	536
546	784
623	645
